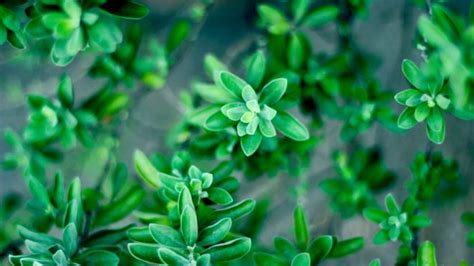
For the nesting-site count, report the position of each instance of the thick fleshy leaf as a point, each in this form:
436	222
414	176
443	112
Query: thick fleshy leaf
426	255
166	236
70	239
299	8
145	169
375	215
214	233
230	250
178	34
219	196
218	122
407	120
320	248
147	253
301	228
266	128
436	136
170	257
264	259
320	16
435	120
422	111
301	259
290	126
391	205
234	211
125	9
120	207
413	74
256	69
250	143
404	95
296	51
232	83
273	91
347	247
189	225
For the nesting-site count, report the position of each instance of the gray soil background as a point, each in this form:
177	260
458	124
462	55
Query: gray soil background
387	33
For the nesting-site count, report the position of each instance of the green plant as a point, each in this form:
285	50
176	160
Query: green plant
274	105
307	251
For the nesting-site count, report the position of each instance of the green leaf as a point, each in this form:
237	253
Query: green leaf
230	250
125	9
347	247
178	33
391	205
299	8
320	248
320	16
39	192
60	258
70	239
442	101
235	211
432	33
285	247
413	74
375	215
301	259
375	262
436	136
213	67
204	260
419	221
407	120
256	69
264	259
218	122
36	237
142	234
266	128
271	15
301	228
381	237
250	143
104	36
145	169
16	40
435	120
426	255
295	53
232	83
97	257
147	253
422	111
404	95
290	126
214	233
212	93
184	198
273	91
166	236
189	225
171	258
121	207
65	91
219	196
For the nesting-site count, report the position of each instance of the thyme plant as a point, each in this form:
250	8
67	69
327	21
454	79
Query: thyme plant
266	111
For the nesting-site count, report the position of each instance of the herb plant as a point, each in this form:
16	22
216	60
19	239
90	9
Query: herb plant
274	108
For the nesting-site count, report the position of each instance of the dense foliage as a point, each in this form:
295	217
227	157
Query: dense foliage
264	117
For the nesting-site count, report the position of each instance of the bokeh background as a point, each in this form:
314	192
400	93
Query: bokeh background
229	33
